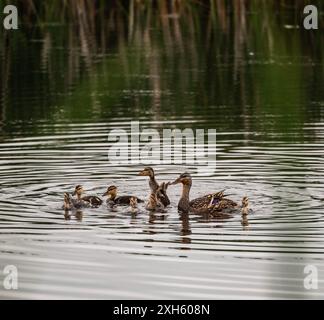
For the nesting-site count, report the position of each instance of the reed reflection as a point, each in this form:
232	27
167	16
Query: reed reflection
194	36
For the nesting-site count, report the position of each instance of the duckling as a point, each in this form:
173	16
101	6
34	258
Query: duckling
122	200
71	204
245	206
212	203
67	204
133	209
93	201
154	204
160	190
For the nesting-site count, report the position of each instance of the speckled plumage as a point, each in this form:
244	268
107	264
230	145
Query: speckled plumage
204	201
154	204
210	204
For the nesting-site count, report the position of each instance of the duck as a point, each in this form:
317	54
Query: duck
133	209
73	204
245	210
211	204
159	190
154	205
92	201
72	208
122	200
67	204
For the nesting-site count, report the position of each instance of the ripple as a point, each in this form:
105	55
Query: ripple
100	253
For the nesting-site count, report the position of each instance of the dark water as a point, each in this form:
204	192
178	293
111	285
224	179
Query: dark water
61	95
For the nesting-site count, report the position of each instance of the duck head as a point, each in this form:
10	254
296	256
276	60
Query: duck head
148	171
111	191
78	191
184	178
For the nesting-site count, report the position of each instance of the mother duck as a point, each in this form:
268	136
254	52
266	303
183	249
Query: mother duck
213	203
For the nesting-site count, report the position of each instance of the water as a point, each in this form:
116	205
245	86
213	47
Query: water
57	108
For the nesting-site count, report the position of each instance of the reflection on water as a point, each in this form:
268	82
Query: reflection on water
63	90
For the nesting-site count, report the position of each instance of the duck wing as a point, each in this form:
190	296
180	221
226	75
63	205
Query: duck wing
223	205
162	195
219	208
204	202
164	199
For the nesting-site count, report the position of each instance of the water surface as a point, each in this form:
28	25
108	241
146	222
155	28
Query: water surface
60	98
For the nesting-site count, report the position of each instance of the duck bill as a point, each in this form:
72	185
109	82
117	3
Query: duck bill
142	173
74	193
105	194
177	181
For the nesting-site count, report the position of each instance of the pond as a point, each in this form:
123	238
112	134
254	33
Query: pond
65	87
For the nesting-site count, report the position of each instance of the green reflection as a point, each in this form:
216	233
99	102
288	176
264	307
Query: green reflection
236	65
